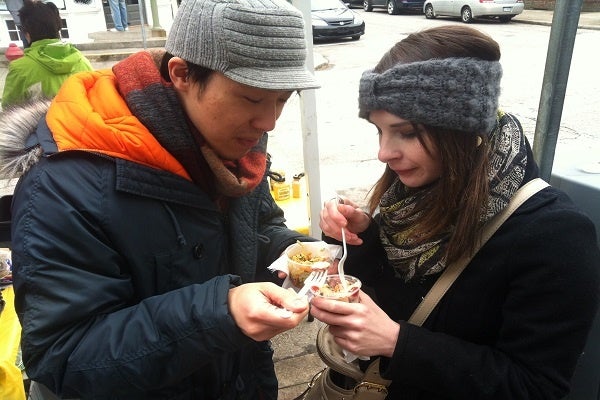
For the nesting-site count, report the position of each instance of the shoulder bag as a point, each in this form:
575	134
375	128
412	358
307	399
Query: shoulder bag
370	385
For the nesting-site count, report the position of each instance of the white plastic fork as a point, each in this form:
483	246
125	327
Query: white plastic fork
316	278
342	260
344	254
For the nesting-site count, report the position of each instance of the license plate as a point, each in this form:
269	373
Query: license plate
507	9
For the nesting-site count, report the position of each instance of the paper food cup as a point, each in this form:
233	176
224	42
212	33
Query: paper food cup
5	262
302	257
333	289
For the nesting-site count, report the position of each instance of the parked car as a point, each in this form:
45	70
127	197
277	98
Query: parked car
393	6
354	3
332	19
467	10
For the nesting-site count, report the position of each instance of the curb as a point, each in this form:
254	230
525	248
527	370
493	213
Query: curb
106	55
546	23
104	45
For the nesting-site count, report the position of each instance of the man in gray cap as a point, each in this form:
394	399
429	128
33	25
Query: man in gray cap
143	214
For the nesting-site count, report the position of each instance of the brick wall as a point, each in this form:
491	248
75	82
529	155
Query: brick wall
588	5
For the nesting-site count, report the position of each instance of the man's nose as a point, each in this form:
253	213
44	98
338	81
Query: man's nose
266	118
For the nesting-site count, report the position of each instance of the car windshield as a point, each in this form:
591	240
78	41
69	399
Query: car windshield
319	5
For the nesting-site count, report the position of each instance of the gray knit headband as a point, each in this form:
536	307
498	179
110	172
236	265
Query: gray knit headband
455	93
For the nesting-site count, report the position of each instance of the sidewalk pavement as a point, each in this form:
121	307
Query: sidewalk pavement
587	20
296	360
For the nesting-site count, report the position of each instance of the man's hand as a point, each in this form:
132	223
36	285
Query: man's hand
256	309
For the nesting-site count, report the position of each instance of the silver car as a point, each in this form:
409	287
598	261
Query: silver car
393	7
467	10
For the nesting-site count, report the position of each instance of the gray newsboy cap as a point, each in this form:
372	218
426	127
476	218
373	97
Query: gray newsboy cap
258	43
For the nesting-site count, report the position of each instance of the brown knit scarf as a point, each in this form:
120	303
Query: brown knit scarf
155	103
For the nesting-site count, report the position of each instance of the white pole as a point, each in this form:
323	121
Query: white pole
310	138
142	22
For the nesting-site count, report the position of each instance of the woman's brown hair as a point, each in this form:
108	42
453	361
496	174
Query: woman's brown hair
458	199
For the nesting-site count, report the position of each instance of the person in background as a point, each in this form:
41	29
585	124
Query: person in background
47	63
118	12
514	323
13	7
142	215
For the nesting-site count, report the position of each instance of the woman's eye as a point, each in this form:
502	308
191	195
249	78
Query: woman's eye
408	135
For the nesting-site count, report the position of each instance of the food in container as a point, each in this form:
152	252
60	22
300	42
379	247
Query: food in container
304	257
5	262
334	289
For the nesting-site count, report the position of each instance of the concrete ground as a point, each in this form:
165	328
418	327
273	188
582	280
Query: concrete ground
295	357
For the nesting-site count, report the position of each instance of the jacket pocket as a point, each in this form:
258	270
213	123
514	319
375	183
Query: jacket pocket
187	265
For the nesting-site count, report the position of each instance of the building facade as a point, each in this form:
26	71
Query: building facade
588	5
82	17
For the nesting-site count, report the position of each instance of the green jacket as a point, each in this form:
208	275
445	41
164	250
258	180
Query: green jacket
42	70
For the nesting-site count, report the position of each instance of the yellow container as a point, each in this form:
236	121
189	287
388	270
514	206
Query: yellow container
281	191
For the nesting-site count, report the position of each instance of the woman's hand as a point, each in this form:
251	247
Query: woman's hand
336	215
361	328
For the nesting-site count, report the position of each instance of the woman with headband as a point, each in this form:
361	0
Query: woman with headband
514	323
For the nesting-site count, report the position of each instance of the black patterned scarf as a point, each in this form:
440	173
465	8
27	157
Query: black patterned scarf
508	160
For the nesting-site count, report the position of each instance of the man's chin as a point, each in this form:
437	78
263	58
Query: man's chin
230	156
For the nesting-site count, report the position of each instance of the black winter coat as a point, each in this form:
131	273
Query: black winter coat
513	324
134	304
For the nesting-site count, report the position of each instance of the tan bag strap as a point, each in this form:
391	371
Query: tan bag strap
373	383
453	270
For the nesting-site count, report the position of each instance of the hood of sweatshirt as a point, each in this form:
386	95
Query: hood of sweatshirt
54	55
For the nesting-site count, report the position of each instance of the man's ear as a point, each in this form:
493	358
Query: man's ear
178	71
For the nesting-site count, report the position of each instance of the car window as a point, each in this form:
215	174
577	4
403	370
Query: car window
318	5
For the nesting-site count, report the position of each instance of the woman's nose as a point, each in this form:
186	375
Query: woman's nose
386	150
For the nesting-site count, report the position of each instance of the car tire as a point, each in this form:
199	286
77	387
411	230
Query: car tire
429	14
506	18
367	6
356	37
466	15
391	7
